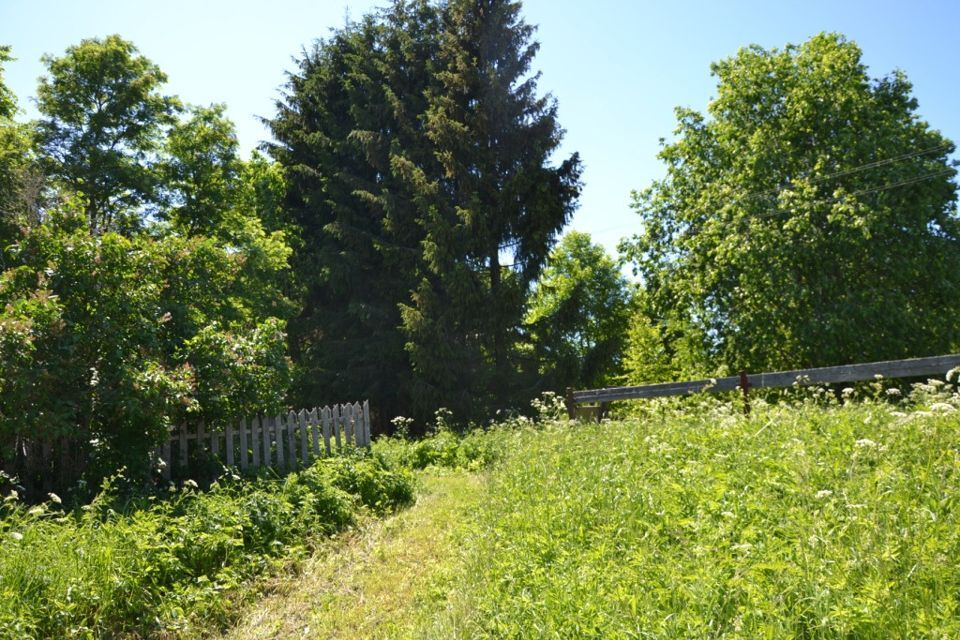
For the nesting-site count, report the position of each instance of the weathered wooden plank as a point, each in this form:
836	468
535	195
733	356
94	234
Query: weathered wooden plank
255	440
278	439
183	445
268	425
358	424
292	439
352	424
304	446
914	367
314	431
228	442
367	439
215	436
345	427
244	450
337	426
327	417
201	432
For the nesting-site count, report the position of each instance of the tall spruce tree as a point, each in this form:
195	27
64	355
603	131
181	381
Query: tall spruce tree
416	155
347	131
490	216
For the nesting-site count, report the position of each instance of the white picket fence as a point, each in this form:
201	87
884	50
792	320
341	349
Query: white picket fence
281	442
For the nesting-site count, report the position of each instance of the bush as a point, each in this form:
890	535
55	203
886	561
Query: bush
146	566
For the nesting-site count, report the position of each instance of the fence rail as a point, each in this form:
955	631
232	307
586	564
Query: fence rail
281	442
914	367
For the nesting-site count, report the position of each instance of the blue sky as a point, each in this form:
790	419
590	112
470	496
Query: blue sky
617	68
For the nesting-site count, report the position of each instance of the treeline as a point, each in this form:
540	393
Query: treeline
385	248
400	238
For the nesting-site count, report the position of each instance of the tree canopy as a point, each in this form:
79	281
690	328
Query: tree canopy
579	314
103	120
807	219
148	288
417	155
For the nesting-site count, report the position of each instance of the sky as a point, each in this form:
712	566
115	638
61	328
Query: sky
617	68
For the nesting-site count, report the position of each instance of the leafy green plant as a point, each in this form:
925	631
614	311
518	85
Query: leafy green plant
134	565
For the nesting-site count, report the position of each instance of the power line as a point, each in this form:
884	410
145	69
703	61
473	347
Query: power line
845	172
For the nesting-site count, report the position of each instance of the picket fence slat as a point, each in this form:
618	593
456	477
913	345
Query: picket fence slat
366	424
304	450
228	436
277	437
255	440
314	430
335	424
244	450
183	446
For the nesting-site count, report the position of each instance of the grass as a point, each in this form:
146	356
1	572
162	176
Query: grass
811	519
379	580
178	565
796	522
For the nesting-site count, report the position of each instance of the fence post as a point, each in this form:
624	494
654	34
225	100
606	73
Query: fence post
745	389
571	407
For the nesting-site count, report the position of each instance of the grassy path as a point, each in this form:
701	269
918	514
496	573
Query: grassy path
373	581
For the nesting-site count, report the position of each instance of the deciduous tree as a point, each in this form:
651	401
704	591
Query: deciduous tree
578	315
807	219
103	116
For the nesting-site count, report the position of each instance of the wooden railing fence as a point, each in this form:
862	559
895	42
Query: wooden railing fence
281	442
911	368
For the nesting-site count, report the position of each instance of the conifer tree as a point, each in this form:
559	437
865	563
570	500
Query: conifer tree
347	130
492	213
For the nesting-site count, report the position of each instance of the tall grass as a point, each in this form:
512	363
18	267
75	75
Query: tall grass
176	564
806	521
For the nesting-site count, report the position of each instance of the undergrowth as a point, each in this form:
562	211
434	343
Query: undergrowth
162	566
830	517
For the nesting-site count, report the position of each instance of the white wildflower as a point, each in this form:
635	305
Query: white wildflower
894	393
953	375
54	498
824	493
942	407
847	392
865	443
190	484
16	535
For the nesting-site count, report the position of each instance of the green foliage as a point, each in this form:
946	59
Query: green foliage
177	565
144	286
808	219
103	117
403	215
19	183
202	171
578	315
107	340
239	374
496	198
804	521
346	130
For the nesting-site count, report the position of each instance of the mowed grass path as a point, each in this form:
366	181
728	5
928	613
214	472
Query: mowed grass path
802	522
376	581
